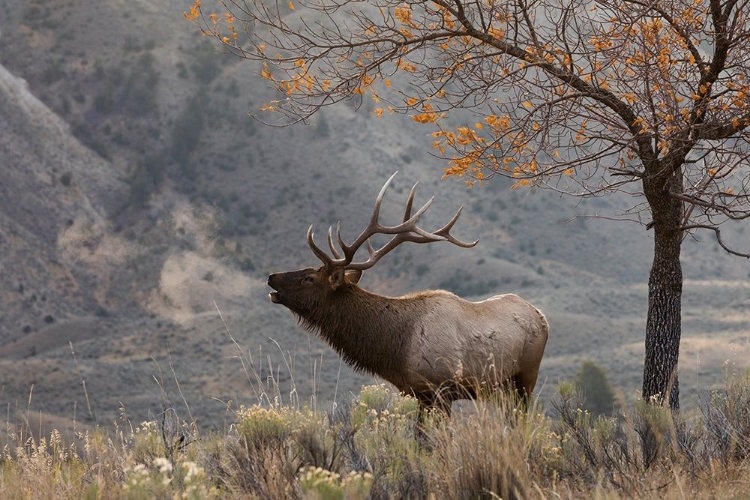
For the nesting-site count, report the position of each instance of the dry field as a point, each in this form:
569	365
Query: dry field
368	448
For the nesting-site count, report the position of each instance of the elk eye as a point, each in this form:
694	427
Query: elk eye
307	280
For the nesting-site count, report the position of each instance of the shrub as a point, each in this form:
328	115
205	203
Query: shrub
597	395
187	130
726	414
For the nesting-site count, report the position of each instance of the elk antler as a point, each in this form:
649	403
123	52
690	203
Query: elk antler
406	231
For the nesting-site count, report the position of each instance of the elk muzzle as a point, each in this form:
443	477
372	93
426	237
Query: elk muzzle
275	296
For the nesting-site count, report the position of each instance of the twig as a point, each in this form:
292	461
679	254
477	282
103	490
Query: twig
83	383
717	231
179	389
241	356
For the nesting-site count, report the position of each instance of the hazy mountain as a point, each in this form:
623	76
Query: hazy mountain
139	199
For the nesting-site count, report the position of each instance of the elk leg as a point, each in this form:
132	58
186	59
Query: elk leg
431	402
444	404
525	383
419	430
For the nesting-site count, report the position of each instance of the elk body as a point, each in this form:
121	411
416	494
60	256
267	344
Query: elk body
433	345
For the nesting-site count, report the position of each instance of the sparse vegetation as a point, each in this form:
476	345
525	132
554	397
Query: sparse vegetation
133	93
146	178
186	133
66	178
205	66
369	449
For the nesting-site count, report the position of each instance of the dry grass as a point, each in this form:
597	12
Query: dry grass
370	449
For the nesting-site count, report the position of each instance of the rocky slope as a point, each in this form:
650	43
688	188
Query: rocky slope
57	200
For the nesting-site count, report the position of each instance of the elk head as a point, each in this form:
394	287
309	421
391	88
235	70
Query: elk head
309	289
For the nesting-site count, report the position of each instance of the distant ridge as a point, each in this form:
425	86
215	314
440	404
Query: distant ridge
49	184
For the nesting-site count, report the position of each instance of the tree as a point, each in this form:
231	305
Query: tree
598	396
583	97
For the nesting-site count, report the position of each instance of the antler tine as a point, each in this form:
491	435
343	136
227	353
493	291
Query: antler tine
379	200
375	255
335	252
412	222
407	210
317	251
372	228
340	239
445	232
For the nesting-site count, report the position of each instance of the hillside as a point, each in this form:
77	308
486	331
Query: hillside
139	199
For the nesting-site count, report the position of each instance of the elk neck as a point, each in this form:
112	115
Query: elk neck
371	332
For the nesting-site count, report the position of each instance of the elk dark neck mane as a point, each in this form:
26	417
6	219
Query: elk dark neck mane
371	332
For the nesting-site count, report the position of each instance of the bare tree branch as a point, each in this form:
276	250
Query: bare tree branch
717	232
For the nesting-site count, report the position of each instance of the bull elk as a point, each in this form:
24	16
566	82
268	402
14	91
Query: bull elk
433	344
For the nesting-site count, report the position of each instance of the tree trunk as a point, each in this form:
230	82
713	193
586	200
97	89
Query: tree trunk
663	325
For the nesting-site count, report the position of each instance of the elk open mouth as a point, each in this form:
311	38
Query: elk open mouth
275	296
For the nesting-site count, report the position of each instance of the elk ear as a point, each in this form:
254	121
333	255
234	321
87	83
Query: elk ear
336	279
354	275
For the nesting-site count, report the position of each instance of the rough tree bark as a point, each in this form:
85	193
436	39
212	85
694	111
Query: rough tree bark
663	324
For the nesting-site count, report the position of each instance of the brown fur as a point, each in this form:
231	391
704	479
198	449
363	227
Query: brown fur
432	344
